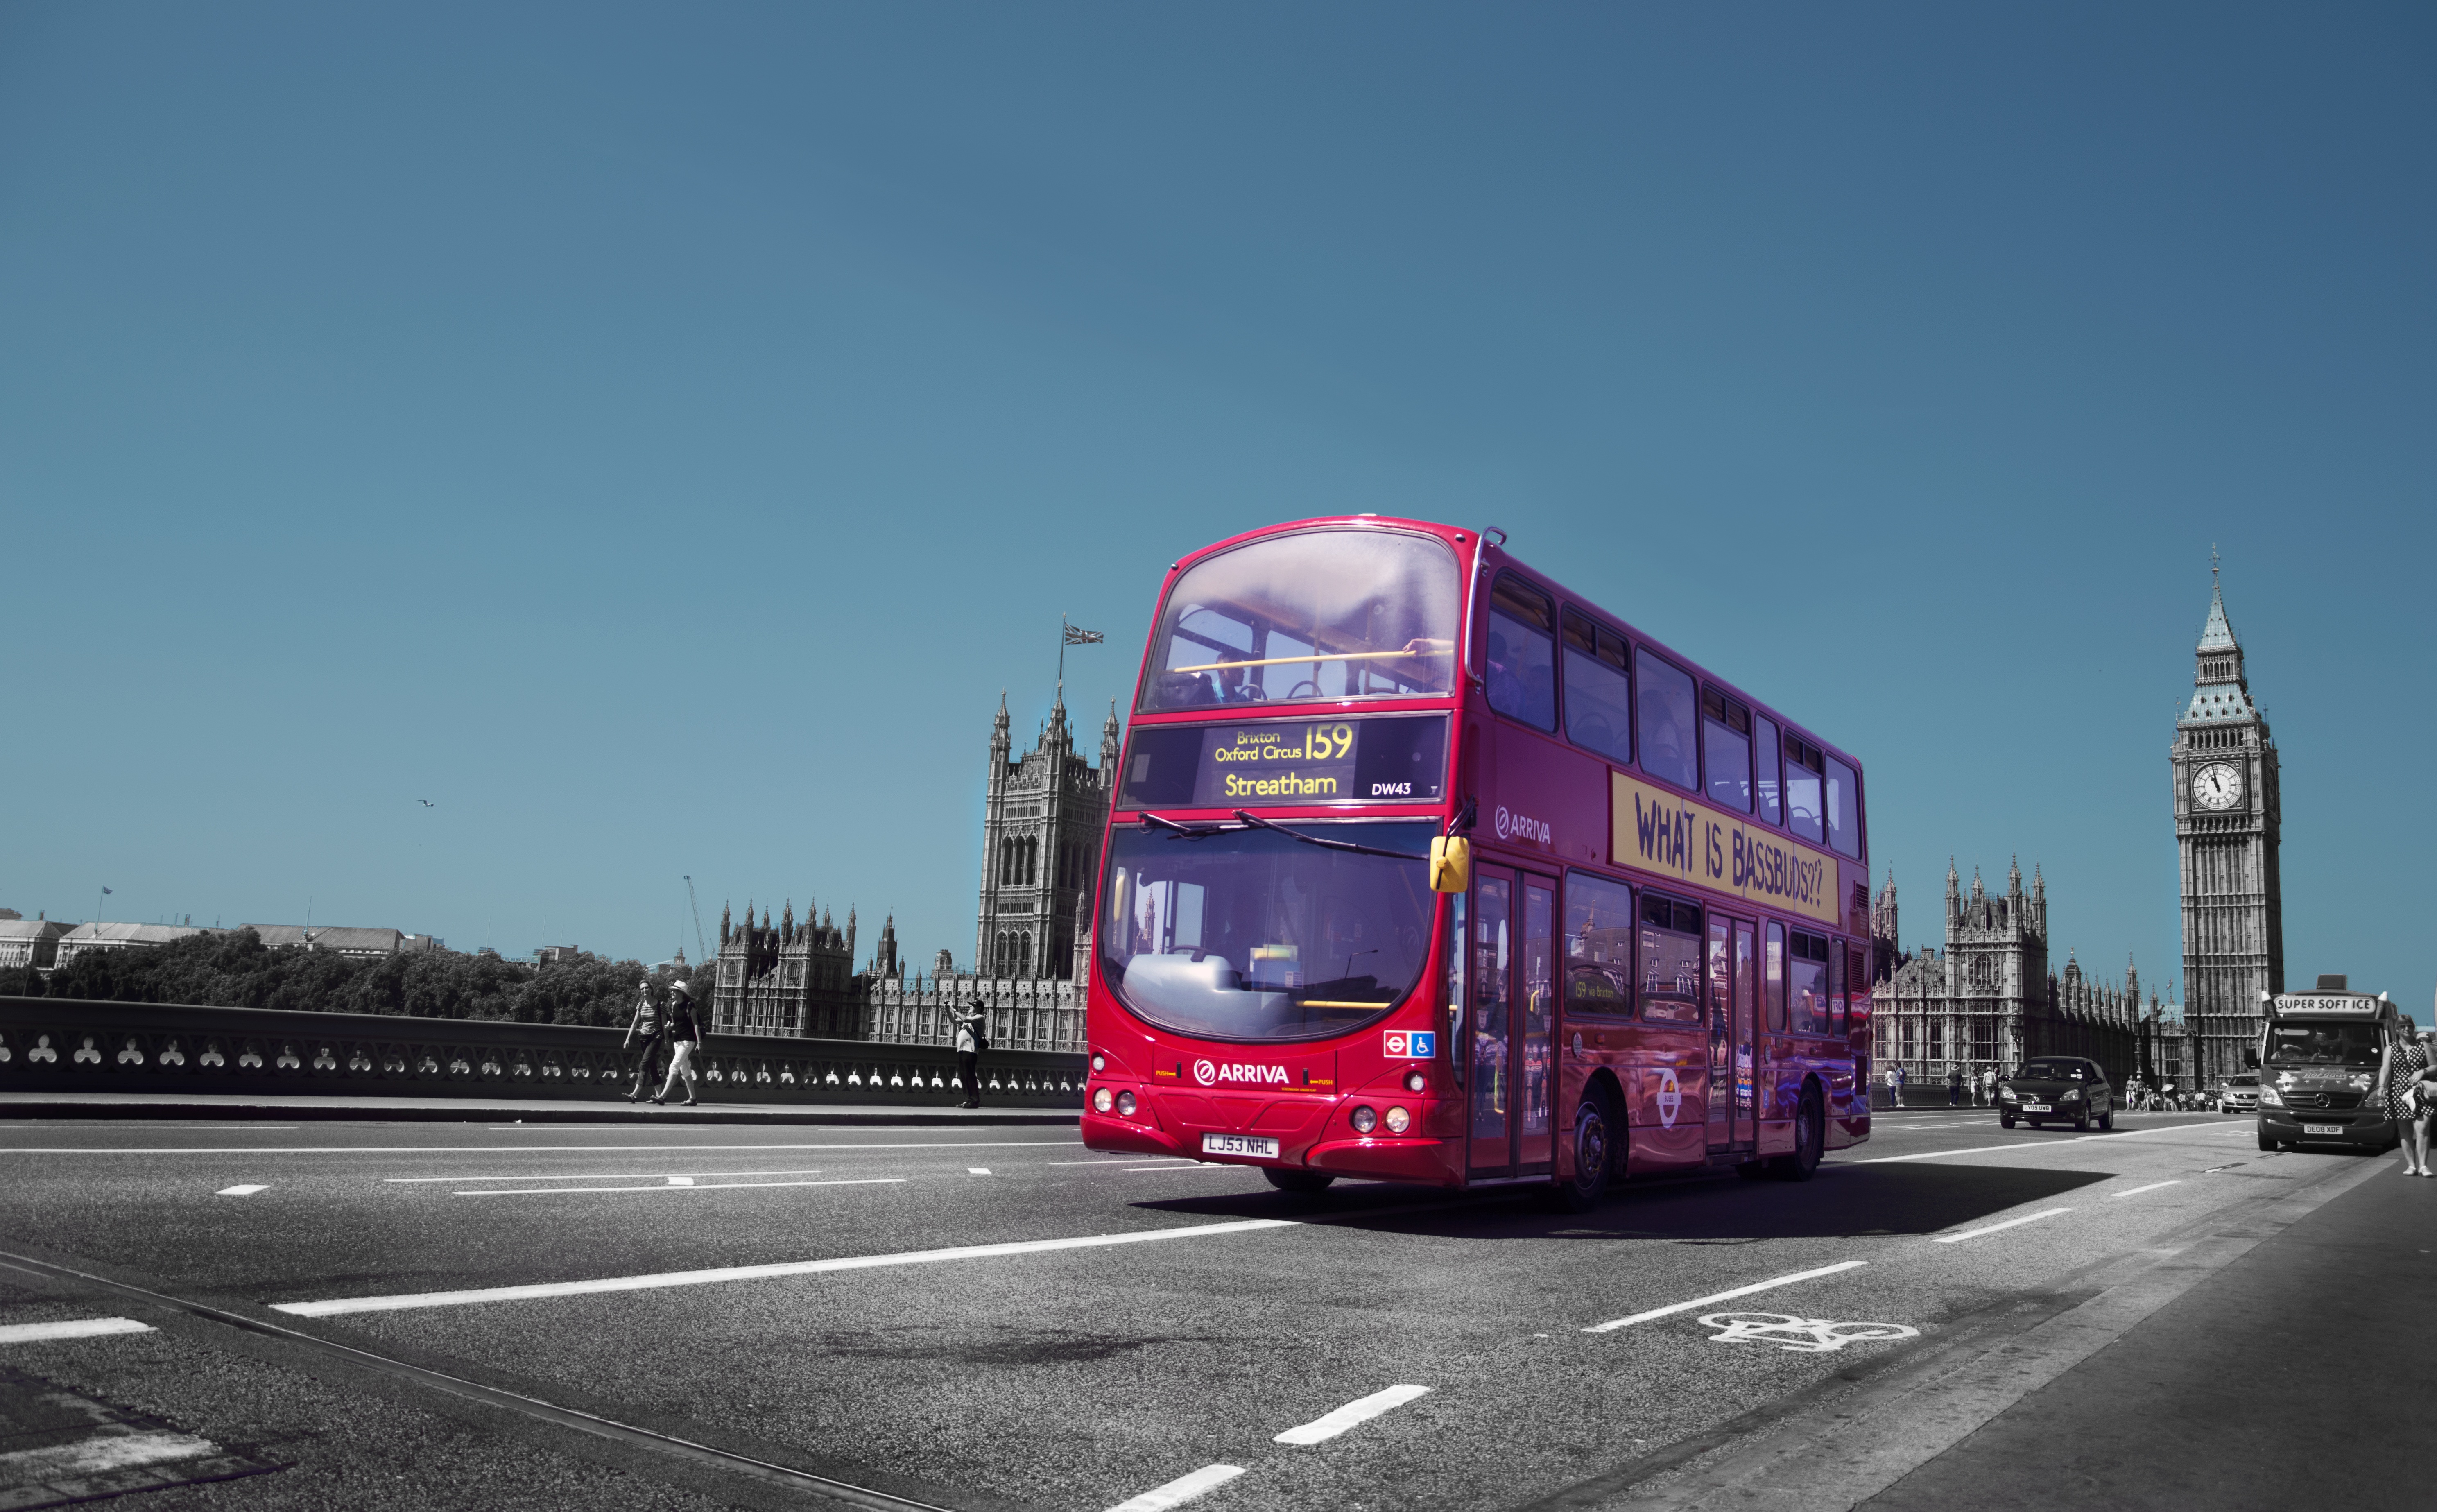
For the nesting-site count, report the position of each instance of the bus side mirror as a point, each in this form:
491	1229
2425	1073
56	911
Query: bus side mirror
1451	864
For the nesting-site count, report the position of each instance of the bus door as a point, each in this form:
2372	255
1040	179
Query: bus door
1513	968
1734	1040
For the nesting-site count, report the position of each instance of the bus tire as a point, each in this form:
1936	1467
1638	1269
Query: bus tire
1810	1135
1305	1183
1595	1135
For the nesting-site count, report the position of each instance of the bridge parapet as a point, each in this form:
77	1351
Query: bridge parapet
60	1044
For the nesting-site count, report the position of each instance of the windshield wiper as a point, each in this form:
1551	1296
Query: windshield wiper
1191	832
1333	845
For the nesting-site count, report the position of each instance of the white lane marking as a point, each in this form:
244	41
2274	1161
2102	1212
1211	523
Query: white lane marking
1181	1491
2012	1223
73	1329
976	1171
492	1150
1121	1160
604	1175
1725	1296
1181	1165
1360	1411
241	1192
2019	1145
2152	1186
101	1453
675	1183
754	1273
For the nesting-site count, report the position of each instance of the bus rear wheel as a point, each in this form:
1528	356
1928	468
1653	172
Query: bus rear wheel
1595	1133
1810	1136
1303	1181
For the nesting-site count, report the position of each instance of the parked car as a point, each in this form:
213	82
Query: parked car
2240	1094
2054	1089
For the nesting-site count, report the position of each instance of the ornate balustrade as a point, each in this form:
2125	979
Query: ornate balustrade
65	1045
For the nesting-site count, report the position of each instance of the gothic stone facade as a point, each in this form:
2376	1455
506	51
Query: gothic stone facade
792	979
1988	998
2226	830
1043	816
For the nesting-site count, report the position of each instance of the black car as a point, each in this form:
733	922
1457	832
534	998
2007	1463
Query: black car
2056	1089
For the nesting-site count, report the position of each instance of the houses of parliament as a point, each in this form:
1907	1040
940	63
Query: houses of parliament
1988	998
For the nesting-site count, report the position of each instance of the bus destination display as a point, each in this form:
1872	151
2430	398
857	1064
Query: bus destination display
1281	763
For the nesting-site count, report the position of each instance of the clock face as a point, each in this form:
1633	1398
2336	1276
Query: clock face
2217	785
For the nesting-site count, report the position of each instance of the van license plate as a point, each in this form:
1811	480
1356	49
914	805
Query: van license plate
1217	1144
2325	1129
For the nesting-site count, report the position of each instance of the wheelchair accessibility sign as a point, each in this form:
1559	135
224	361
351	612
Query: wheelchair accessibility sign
1412	1045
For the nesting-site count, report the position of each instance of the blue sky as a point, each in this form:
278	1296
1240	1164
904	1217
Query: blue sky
656	433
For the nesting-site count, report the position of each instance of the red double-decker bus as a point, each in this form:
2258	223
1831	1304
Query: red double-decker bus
1421	868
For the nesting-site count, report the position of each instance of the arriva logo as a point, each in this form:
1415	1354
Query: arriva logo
1521	827
1210	1074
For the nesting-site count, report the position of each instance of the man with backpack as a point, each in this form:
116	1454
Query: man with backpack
685	1041
970	1044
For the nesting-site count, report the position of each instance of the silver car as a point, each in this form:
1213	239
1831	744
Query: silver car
2240	1094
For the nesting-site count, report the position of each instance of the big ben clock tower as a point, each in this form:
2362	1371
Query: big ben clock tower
2226	830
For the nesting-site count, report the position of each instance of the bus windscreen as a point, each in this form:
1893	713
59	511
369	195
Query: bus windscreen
1321	615
1252	934
1396	760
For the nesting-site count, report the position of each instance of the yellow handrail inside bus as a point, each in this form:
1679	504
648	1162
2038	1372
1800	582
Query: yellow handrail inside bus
1325	656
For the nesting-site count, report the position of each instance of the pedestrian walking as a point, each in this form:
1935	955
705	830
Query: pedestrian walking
648	1029
2399	1069
1894	1086
970	1046
1954	1086
685	1042
1989	1086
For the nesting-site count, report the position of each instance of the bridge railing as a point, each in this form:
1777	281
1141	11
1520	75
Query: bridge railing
68	1045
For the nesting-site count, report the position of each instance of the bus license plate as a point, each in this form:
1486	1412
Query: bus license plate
1217	1144
2325	1129
2037	1107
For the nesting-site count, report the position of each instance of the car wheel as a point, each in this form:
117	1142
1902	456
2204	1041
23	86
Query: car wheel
1594	1153
1810	1136
2082	1122
2005	1120
2107	1119
1304	1183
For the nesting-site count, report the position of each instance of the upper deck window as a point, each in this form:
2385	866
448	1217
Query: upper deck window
1599	689
1804	766
1522	664
1669	741
1319	614
1725	751
1843	810
1764	759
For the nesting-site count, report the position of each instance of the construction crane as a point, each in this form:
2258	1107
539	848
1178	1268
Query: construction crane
699	944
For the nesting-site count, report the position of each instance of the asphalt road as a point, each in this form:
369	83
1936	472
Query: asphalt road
1127	1322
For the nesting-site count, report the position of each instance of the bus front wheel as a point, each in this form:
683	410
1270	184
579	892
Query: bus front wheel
1303	1182
1594	1155
1810	1135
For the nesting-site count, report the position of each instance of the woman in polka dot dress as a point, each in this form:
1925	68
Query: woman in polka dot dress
2405	1097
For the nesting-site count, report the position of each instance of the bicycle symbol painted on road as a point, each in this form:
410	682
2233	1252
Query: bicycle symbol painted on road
1817	1336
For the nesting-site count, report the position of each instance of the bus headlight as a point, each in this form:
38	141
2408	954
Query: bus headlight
1126	1104
1416	1082
1399	1120
1101	1100
2271	1098
1365	1120
1099	1061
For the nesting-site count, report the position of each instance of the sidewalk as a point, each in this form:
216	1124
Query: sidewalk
2295	1375
239	1107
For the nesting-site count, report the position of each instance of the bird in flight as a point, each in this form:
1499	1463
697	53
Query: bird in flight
425	802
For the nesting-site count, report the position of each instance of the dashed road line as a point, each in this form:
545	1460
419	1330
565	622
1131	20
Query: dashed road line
1725	1296
674	1184
977	1171
1362	1410
334	1306
606	1175
72	1328
1181	1491
241	1192
2152	1186
2012	1223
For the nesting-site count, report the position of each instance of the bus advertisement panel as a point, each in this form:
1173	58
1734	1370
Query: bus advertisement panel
1421	867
